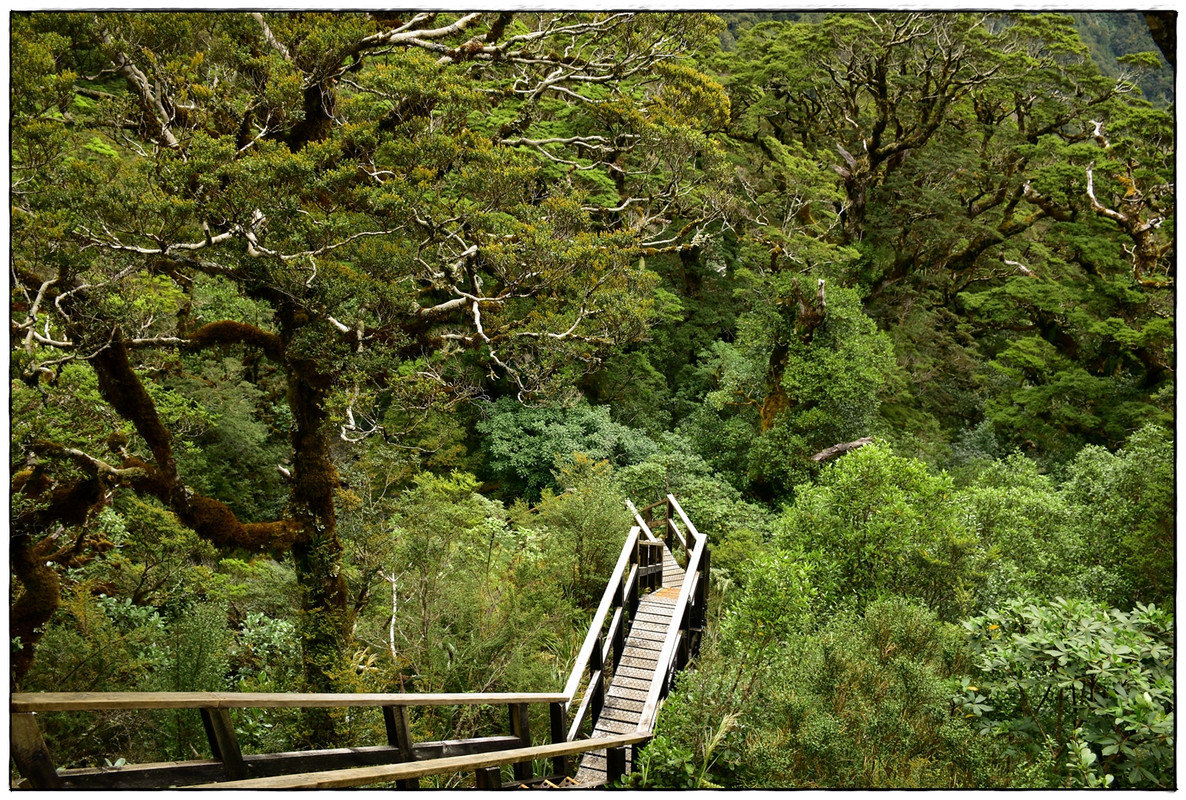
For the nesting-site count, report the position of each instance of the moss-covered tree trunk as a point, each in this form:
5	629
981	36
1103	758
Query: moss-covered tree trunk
325	617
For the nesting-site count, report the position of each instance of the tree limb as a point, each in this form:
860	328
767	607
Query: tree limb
838	449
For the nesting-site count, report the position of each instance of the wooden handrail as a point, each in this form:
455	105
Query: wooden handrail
670	642
102	701
607	602
678	533
673	503
360	776
667	654
642	523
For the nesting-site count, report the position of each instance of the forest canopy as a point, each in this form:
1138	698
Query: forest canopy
338	341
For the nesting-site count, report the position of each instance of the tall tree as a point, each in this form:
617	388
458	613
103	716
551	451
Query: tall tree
405	207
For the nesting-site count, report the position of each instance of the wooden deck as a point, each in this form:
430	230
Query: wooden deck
628	687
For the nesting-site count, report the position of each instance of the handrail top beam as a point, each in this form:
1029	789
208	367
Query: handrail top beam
360	776
642	523
607	601
682	515
22	702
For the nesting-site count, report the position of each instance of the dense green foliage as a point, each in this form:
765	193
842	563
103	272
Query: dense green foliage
338	341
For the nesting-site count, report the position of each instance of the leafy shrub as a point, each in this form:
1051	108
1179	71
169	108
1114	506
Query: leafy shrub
1092	686
1025	524
861	702
1123	504
879	525
524	444
586	526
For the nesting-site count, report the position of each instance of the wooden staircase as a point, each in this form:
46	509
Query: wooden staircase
627	693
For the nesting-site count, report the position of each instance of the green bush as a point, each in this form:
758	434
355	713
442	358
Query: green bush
861	702
1123	504
1091	686
876	525
524	444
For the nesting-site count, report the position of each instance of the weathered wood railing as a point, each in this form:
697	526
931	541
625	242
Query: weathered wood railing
639	569
682	641
229	763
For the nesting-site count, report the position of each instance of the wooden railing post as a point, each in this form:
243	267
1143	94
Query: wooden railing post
488	777
399	736
615	764
224	745
636	754
520	728
597	680
668	536
30	753
701	605
619	641
559	725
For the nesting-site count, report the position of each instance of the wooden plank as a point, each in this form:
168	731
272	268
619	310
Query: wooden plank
617	727
112	701
618	715
30	753
622	703
654	620
644	648
621	692
645	640
338	779
182	773
653	615
144	776
625	683
638	655
643	675
651	621
157	776
639	636
425	751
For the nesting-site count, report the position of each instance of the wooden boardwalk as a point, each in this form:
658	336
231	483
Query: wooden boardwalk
628	687
618	680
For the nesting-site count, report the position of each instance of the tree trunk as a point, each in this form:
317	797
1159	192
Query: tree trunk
325	622
33	608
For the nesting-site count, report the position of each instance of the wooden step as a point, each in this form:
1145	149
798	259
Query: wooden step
628	689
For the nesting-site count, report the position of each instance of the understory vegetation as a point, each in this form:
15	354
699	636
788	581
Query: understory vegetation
339	341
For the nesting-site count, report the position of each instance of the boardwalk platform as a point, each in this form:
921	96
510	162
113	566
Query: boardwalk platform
628	687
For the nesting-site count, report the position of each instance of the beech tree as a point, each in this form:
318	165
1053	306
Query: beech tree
988	186
400	209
